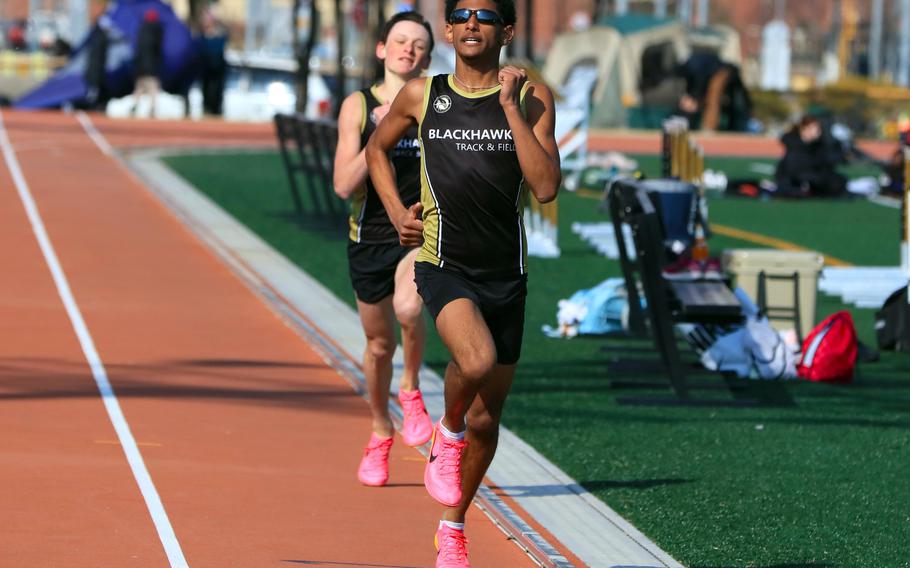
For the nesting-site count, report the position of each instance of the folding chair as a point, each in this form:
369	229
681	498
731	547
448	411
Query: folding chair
668	302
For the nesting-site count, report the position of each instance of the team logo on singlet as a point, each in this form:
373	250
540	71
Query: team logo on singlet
442	103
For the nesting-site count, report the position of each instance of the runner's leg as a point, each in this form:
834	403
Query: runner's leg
464	332
409	311
482	435
378	325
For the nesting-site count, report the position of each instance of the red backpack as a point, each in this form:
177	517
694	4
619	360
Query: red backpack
829	352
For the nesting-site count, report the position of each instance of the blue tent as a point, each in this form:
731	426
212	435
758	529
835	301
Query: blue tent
121	22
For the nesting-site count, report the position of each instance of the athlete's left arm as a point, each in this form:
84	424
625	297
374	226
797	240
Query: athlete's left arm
533	133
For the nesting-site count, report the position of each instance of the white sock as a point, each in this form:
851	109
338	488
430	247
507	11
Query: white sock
450	435
451	525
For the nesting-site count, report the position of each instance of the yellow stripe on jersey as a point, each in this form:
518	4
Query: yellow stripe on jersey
426	100
521	98
358	199
374	90
358	202
363	112
431	225
524	195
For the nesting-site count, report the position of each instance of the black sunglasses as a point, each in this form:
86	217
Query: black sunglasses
483	16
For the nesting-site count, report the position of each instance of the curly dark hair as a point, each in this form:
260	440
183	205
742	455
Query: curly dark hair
505	9
406	17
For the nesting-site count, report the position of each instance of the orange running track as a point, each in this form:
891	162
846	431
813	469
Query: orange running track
249	440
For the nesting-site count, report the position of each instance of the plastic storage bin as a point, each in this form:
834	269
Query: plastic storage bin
746	264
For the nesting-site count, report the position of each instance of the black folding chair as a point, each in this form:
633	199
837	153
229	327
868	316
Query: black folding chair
286	130
308	151
667	302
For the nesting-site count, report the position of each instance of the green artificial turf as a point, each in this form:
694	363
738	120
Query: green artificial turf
814	478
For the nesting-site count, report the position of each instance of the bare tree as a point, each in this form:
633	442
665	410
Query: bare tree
196	8
529	30
304	50
339	71
372	70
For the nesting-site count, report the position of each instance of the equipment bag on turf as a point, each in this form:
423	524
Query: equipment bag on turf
829	352
892	322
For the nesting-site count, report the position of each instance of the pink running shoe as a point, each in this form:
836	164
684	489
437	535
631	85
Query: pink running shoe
417	427
442	476
451	547
374	467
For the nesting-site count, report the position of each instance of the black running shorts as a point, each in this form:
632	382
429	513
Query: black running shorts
372	269
501	303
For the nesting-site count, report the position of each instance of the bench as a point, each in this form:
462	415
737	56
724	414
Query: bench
667	302
307	151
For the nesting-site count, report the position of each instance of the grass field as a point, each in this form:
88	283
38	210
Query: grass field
816	478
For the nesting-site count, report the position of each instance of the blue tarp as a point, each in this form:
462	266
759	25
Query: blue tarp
121	20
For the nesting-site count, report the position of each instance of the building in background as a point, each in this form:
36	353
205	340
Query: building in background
828	39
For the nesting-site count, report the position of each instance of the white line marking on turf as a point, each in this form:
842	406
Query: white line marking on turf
133	456
93	133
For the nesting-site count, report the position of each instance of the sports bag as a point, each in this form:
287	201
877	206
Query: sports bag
755	350
598	310
829	352
892	322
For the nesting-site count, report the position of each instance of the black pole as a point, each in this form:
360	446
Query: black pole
304	52
371	15
377	67
297	49
529	30
339	72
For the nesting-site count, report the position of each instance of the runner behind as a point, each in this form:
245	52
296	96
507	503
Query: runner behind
382	270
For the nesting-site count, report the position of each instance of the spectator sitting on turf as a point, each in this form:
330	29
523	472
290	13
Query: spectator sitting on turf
808	167
894	168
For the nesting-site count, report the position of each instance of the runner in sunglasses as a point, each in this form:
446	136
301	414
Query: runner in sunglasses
486	137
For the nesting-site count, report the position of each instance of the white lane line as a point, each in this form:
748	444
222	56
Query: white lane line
133	456
93	133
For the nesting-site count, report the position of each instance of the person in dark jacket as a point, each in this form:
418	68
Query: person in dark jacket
148	59
715	97
211	43
96	93
808	167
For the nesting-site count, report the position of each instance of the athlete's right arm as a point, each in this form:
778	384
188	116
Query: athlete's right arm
403	114
350	161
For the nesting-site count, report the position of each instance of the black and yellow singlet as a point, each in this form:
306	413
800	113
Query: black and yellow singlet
369	221
471	183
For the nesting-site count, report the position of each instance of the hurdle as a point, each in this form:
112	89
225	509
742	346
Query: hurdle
681	157
541	227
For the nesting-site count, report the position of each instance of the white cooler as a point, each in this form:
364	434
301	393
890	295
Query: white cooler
746	264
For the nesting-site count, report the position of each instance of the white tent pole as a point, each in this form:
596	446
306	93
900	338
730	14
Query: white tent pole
622	7
684	11
252	23
34	6
702	13
903	52
79	20
660	8
875	39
